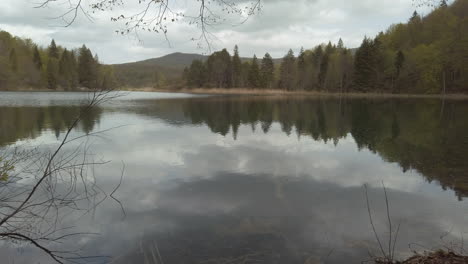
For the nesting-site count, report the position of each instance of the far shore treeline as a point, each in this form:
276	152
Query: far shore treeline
25	65
426	55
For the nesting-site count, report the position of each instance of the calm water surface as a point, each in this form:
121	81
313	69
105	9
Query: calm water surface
245	179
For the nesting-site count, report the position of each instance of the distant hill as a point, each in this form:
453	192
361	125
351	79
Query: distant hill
142	73
174	60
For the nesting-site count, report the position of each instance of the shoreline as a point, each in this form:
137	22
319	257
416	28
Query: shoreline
264	92
273	92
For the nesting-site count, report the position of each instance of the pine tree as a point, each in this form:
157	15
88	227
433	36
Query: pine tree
301	68
74	70
236	68
196	76
340	44
288	71
324	63
53	50
37	58
65	75
329	48
87	70
364	66
317	56
267	71
254	73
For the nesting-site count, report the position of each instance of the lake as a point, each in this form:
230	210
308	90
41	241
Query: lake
253	179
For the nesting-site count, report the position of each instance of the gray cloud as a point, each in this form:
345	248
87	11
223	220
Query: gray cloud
279	26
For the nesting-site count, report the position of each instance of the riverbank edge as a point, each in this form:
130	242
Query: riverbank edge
262	92
272	92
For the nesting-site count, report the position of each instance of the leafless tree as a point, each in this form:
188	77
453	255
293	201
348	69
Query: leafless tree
38	188
387	254
157	15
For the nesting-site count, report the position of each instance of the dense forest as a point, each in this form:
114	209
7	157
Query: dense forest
25	65
428	54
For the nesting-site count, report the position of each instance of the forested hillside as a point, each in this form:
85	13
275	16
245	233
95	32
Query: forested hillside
162	72
425	55
25	65
157	72
428	54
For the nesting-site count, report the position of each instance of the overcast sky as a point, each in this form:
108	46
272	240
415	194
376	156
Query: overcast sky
282	24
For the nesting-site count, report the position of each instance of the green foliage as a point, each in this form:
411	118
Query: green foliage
37	58
219	67
52	73
267	71
53	50
159	80
196	76
87	68
236	68
426	58
365	65
23	64
13	60
426	55
288	71
255	80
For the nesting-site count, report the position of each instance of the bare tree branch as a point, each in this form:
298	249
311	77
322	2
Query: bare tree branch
157	15
39	188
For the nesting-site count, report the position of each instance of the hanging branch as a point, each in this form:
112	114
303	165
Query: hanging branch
157	15
38	189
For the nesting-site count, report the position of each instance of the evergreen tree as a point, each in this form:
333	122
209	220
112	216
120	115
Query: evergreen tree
301	69
317	56
86	68
364	66
65	70
196	76
329	48
323	72
288	71
267	71
254	74
53	50
443	4
340	44
22	64
74	70
236	68
37	58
